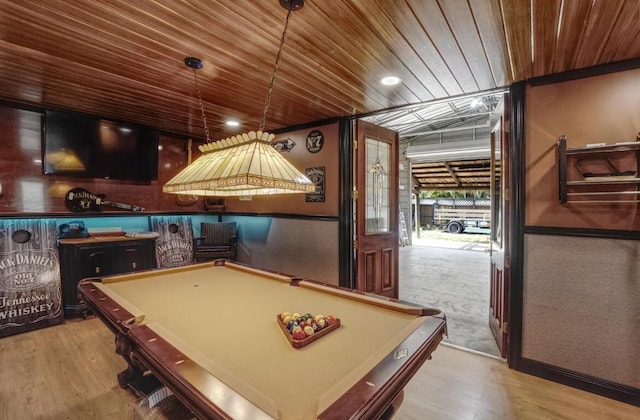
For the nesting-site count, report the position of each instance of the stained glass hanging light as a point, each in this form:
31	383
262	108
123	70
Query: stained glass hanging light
245	164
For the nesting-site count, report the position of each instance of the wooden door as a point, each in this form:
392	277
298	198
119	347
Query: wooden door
499	245
376	219
96	261
132	257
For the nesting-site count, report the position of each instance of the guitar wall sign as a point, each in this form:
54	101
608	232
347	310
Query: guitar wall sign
80	200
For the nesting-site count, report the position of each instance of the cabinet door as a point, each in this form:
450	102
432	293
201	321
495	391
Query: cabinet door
96	262
133	257
70	275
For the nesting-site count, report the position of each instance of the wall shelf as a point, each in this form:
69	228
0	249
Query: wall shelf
599	174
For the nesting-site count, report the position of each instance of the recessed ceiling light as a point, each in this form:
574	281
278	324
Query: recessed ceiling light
390	80
233	123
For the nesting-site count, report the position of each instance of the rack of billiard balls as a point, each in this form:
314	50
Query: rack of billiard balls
302	330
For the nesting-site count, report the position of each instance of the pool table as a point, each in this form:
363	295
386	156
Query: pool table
209	333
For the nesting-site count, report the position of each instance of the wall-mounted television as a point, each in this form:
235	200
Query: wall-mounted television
82	145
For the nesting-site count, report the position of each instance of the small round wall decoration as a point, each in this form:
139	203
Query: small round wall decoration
315	141
21	236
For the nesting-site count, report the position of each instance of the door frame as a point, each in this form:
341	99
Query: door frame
346	231
516	195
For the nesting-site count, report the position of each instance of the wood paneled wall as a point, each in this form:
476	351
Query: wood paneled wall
580	295
327	157
601	109
26	190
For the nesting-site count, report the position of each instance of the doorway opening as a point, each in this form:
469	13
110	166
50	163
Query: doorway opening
445	152
450	271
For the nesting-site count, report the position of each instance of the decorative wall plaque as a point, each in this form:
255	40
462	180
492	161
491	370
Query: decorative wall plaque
315	141
174	246
285	145
317	176
30	286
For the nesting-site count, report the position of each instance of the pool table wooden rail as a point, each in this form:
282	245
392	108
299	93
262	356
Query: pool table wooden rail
145	351
373	394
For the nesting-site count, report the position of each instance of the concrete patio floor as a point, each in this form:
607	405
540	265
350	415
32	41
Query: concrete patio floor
453	277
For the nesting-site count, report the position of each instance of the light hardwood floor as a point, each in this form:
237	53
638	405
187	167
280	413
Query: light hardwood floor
69	372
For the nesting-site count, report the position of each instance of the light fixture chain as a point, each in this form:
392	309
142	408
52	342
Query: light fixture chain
275	70
204	117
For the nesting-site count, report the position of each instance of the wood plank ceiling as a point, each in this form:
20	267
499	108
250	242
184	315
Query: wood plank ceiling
450	175
124	59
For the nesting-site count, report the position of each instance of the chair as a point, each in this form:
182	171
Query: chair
218	240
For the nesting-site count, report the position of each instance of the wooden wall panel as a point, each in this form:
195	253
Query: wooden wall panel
602	109
27	190
301	158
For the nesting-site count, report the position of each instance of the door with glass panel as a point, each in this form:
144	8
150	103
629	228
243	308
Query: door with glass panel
376	203
499	244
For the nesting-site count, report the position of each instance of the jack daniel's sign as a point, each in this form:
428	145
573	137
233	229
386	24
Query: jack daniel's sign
30	293
174	252
174	246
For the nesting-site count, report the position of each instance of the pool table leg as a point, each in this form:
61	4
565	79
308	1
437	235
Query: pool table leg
394	407
133	376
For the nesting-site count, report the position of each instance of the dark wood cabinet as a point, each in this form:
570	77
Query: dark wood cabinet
91	257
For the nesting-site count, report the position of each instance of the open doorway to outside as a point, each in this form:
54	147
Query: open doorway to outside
445	211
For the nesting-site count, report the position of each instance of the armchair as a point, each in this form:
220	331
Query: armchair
217	240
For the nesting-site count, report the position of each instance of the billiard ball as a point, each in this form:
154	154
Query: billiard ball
295	328
299	334
284	315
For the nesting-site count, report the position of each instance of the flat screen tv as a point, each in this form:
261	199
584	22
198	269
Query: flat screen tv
82	145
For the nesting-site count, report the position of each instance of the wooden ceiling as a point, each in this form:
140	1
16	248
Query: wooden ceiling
474	174
124	59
